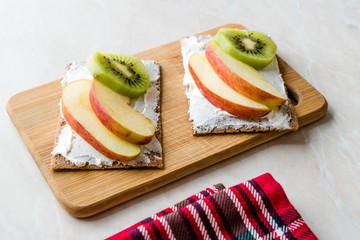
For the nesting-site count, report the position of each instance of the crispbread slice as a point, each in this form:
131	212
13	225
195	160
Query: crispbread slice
207	119
58	162
293	123
154	159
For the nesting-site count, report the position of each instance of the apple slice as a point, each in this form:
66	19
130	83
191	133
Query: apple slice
75	106
242	77
220	94
115	113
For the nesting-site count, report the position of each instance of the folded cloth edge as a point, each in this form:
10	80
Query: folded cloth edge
200	195
267	192
283	207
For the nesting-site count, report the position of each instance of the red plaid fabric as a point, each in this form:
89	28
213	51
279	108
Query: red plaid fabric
256	209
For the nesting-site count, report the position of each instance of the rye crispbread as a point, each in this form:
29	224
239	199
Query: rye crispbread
293	123
154	158
288	109
206	119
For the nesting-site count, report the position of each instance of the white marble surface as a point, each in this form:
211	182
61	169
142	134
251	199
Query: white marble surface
318	166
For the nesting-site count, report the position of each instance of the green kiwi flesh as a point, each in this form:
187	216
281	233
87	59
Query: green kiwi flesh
124	74
253	48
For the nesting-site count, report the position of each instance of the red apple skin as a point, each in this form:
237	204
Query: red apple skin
113	125
79	129
239	84
232	108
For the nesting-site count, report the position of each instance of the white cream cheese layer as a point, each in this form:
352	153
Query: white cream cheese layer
205	117
76	150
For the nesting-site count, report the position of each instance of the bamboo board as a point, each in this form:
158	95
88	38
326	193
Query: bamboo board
84	193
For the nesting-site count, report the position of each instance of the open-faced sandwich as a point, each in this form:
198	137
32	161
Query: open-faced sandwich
109	114
233	84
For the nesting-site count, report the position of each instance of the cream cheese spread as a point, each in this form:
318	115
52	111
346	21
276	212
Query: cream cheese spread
76	150
205	117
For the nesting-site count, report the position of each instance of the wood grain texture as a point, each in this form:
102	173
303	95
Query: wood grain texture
84	193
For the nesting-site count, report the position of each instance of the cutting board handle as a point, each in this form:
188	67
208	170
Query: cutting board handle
308	99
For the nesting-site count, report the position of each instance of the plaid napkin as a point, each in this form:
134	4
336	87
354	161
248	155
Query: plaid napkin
256	209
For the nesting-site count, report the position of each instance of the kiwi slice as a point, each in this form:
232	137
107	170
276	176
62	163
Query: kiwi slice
125	74
251	47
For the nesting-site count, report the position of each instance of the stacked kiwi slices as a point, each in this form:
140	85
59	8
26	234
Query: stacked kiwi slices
124	74
251	47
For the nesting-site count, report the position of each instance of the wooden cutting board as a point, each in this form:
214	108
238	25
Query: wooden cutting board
84	193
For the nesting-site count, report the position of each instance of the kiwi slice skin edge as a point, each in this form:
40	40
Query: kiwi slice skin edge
253	48
124	74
